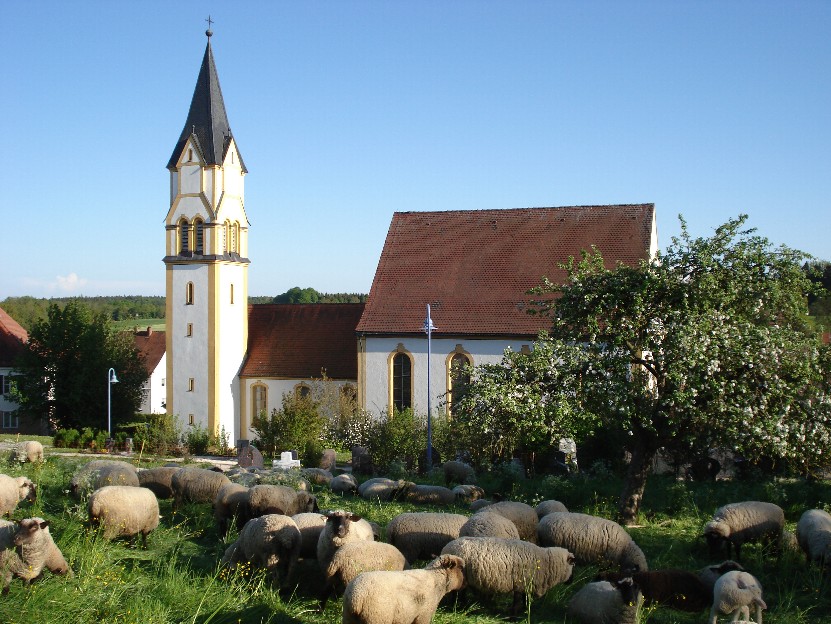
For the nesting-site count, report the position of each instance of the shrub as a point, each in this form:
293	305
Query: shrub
197	440
401	436
155	433
291	427
66	438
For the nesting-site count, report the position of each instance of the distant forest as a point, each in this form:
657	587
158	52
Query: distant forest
28	310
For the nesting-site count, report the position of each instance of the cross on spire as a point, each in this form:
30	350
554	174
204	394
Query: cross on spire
209	32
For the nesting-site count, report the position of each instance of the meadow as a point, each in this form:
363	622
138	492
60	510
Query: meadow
177	578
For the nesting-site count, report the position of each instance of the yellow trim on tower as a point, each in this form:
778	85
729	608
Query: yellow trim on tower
213	349
168	339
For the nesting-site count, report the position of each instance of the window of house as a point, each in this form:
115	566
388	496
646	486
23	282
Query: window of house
302	391
199	232
191	383
10	420
402	381
5	384
190	330
458	379
184	236
259	400
189	293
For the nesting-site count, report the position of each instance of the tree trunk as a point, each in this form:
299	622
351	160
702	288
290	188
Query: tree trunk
643	451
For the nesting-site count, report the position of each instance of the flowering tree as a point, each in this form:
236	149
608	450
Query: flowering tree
707	344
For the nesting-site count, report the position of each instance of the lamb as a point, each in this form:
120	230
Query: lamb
487	524
549	506
341	528
382	489
344	484
158	480
676	589
499	566
422	535
458	472
231	502
813	532
13	490
311	525
402	597
317	476
605	602
429	495
522	515
468	493
272	542
100	472
736	592
29	451
26	549
592	540
196	485
268	499
124	511
739	523
355	558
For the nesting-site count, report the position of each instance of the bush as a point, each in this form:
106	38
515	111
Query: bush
295	424
401	436
197	440
66	438
155	433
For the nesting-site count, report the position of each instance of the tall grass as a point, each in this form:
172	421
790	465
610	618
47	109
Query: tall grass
177	579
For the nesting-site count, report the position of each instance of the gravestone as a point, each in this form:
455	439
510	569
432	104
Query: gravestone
327	460
361	460
250	457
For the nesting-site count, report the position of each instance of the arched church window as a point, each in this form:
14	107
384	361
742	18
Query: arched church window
401	385
458	379
199	232
259	400
228	247
189	293
184	236
302	391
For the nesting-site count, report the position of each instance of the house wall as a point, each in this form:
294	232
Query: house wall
154	393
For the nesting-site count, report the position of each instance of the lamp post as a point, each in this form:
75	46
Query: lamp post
429	328
111	379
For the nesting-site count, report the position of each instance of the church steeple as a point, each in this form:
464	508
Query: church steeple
207	121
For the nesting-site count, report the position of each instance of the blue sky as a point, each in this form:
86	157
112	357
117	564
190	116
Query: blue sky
348	111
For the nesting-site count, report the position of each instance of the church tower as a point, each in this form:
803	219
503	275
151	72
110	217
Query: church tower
206	265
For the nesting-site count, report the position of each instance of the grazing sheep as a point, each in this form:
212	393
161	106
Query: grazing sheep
522	515
231	502
29	451
429	495
272	542
341	528
501	566
676	589
487	524
196	485
813	532
549	506
158	480
739	523
604	602
100	472
711	573
422	535
468	493
458	472
592	540
26	549
736	592
402	597
268	499
344	484
355	558
317	476
480	503
124	511
382	489
311	525
13	490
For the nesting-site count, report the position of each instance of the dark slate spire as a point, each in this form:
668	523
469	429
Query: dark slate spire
207	118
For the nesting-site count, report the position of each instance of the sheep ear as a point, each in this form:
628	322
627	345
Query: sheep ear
354	517
449	563
44	524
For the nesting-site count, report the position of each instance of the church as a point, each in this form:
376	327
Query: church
226	361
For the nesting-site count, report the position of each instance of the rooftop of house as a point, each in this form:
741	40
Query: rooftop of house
152	345
12	339
474	267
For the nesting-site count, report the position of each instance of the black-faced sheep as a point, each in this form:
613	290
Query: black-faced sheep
740	523
549	506
355	558
383	489
605	602
196	485
522	515
673	588
29	451
344	484
458	472
405	597
429	495
100	472
231	503
124	511
158	480
268	499
736	592
26	549
593	540
711	573
272	542
341	528
487	524
13	490
511	566
813	532
422	535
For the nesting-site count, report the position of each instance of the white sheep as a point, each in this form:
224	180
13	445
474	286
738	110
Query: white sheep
344	484
522	515
605	602
268	499
28	451
231	503
13	490
429	495
158	480
382	489
501	566
311	526
26	549
458	472
739	523
402	597
100	472
549	506
480	503
124	511
272	542
734	593
813	532
341	528
487	524
592	540
355	558
196	485
468	493
422	535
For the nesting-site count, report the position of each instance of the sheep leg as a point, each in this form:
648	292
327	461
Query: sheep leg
713	615
758	614
328	590
518	603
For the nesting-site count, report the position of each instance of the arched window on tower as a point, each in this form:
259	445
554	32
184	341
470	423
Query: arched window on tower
199	234
184	237
223	238
259	401
401	381
458	378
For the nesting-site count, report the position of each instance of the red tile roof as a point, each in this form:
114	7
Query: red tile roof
296	341
474	267
12	339
152	346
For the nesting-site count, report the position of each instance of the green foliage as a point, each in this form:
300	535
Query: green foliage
155	433
310	295
63	371
29	310
66	438
197	439
297	422
400	436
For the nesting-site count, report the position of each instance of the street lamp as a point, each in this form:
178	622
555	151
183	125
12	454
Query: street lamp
429	328
111	379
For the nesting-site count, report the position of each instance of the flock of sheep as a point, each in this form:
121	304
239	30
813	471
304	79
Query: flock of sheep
505	547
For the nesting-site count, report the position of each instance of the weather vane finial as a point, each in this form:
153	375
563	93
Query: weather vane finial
209	32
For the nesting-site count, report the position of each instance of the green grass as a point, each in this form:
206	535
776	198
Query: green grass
177	578
142	324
